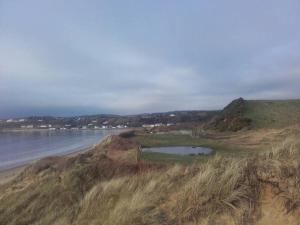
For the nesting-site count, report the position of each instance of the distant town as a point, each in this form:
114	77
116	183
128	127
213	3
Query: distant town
104	121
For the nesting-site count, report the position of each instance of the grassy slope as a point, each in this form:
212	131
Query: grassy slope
273	113
91	189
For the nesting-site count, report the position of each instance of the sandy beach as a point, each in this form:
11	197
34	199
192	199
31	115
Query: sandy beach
11	171
7	175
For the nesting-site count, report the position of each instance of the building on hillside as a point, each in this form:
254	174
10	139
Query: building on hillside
148	125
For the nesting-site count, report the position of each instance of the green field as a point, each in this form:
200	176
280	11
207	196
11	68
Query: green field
272	113
163	140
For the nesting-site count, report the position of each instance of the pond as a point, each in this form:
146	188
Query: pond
180	150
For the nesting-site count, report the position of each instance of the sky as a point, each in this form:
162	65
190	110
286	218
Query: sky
64	58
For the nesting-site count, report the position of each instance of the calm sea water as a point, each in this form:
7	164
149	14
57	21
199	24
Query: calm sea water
18	148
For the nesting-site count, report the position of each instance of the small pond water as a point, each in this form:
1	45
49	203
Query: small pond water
180	150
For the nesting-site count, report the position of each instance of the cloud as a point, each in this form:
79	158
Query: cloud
109	57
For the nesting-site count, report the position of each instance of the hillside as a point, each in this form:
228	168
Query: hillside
273	113
108	121
106	186
254	114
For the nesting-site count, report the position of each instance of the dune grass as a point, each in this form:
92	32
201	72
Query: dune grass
92	189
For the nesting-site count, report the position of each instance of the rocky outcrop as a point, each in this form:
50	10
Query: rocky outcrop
231	118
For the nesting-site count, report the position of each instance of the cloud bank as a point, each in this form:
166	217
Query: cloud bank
124	57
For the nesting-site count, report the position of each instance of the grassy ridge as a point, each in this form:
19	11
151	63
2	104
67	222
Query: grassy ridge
272	113
243	114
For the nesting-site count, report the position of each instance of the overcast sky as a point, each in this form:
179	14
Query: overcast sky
61	57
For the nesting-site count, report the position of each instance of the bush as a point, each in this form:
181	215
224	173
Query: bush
127	134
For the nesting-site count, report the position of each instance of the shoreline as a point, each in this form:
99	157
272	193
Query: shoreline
9	174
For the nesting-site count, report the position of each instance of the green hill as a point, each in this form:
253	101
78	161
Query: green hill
241	114
273	113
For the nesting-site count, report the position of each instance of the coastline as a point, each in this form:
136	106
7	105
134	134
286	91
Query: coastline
9	174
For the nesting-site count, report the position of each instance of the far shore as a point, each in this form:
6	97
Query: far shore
40	129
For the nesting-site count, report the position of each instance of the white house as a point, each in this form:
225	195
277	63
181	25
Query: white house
148	125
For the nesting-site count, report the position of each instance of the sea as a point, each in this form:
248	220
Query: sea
18	148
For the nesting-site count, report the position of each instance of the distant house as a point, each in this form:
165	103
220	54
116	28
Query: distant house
148	125
9	120
172	115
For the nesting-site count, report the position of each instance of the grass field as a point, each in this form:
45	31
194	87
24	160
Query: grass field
273	113
163	140
232	144
173	158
